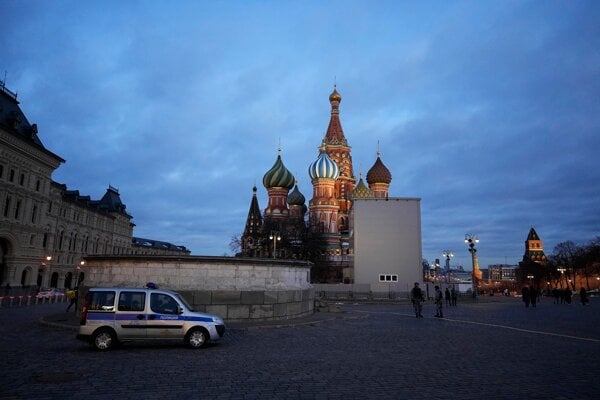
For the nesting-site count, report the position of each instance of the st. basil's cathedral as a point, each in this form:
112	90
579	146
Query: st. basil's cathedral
283	231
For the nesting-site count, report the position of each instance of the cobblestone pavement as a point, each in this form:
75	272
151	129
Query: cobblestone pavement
493	349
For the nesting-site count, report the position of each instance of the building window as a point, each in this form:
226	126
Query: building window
11	176
1	170
7	206
18	209
45	241
33	214
22	179
37	185
388	278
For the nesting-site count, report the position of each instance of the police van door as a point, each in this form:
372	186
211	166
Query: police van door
130	318
163	320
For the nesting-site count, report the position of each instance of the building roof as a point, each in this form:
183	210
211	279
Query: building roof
157	244
379	173
323	167
361	190
278	175
295	198
533	235
14	121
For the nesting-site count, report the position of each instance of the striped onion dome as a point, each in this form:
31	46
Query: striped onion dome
323	167
278	176
361	190
379	173
295	198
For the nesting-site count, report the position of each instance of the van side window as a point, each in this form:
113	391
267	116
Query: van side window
101	301
163	304
132	301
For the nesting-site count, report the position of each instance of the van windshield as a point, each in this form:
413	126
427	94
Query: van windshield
185	303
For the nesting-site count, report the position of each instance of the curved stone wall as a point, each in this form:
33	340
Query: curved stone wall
237	289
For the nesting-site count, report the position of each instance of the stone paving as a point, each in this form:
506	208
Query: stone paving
493	349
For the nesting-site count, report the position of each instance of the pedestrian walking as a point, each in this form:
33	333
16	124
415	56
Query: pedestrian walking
454	295
416	296
72	296
439	302
583	296
447	297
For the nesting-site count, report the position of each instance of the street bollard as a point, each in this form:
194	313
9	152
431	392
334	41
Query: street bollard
11	300
1	300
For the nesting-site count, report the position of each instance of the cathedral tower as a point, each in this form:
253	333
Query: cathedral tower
337	149
251	238
324	205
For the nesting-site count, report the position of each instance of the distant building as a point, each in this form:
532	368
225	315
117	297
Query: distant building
45	229
534	261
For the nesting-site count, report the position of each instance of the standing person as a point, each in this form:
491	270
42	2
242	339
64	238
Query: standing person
583	296
72	296
454	295
416	296
439	302
533	296
525	296
447	297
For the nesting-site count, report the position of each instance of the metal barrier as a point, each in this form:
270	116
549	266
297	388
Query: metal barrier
30	300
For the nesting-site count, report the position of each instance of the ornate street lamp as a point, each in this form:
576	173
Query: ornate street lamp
275	237
447	254
471	240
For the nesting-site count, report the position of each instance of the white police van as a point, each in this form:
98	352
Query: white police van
113	315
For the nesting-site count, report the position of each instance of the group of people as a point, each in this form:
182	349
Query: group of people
531	296
417	297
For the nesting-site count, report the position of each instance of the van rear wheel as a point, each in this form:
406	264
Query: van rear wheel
196	338
103	340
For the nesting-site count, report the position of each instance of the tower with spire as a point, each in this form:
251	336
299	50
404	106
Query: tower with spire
250	241
336	146
534	249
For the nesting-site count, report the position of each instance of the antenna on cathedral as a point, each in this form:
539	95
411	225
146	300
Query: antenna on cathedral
279	147
378	152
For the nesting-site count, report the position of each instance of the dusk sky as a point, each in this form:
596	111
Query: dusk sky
488	111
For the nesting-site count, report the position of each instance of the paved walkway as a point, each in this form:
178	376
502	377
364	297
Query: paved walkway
493	349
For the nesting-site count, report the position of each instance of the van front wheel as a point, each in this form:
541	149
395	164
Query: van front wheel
103	340
196	338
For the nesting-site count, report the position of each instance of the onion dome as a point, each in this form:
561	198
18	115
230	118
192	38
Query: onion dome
295	198
278	176
361	191
323	167
335	96
379	173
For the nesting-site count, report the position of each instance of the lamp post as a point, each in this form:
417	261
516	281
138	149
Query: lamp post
77	272
275	237
471	240
562	274
447	254
42	270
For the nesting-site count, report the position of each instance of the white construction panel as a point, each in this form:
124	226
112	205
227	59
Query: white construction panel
387	241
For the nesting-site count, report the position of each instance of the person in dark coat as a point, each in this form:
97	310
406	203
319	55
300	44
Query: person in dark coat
583	296
525	296
533	295
447	297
